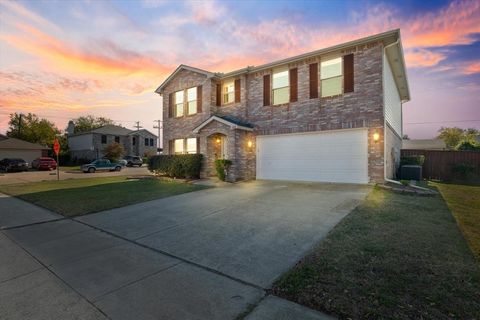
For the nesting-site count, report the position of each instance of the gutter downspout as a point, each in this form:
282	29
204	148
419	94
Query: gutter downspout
384	120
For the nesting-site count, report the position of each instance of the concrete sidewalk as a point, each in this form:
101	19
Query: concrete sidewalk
100	267
15	212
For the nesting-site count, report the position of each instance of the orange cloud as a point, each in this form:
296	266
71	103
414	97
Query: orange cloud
423	58
472	68
61	55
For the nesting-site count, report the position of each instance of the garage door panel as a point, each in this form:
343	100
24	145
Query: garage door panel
331	157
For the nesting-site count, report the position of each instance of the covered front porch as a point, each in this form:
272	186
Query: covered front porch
221	138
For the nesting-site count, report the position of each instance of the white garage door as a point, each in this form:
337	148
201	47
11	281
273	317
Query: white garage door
337	156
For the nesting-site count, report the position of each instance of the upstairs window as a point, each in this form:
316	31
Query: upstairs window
178	146
179	95
192	100
332	77
280	87
134	141
104	139
228	92
146	142
151	142
117	139
191	145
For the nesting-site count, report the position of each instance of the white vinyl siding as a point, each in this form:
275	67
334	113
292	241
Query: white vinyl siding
336	156
392	102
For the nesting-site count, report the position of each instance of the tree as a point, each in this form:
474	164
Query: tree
451	136
114	151
87	123
31	128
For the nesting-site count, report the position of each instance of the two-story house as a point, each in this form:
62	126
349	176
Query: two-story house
90	145
331	115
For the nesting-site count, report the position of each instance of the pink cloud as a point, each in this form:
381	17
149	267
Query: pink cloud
423	58
472	68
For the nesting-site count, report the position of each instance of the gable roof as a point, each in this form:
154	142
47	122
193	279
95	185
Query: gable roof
12	143
391	41
107	129
426	144
142	130
234	124
180	68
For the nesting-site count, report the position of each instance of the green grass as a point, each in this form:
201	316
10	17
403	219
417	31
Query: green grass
464	202
81	196
396	256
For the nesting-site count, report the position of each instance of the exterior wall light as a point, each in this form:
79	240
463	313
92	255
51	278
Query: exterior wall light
217	140
249	144
376	136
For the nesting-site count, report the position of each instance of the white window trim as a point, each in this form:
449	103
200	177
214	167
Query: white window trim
287	86
177	103
227	93
340	76
188	101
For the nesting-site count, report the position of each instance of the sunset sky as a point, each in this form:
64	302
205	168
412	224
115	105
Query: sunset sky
63	59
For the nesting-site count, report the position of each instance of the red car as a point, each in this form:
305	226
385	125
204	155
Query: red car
44	163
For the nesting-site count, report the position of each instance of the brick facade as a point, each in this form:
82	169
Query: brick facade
361	108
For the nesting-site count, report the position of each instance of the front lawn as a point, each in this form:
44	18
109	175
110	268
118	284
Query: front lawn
81	196
464	202
394	257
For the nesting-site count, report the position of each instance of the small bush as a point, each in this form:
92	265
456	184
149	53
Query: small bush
176	166
466	145
412	160
222	166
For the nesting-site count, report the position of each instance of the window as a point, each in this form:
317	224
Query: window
151	142
117	139
228	92
331	77
192	100
146	142
179	103
192	145
104	139
280	87
178	146
134	141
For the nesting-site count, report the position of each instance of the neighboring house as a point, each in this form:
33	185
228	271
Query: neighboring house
330	115
89	145
424	144
16	148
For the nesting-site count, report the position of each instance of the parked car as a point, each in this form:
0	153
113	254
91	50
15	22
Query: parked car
122	162
44	163
101	165
13	164
133	161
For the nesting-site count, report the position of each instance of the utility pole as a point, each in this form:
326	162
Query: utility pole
137	125
159	126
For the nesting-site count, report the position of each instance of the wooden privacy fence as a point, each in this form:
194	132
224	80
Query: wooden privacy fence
448	165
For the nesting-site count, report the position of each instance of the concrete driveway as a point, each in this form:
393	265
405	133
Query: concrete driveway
36	176
203	255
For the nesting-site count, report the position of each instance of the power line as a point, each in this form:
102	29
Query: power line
444	121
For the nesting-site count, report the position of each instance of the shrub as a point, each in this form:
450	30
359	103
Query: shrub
176	166
468	145
463	169
114	151
222	166
412	160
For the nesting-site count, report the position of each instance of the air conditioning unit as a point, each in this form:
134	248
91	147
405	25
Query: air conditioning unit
411	172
